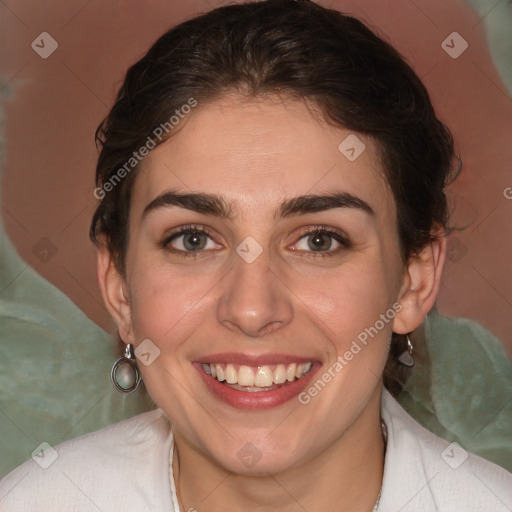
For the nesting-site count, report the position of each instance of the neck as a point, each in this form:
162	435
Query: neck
346	476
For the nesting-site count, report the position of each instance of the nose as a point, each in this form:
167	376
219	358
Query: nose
254	300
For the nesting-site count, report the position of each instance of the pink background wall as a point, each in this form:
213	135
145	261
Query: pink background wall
58	102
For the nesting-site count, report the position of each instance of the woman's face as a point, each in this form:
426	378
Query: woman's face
255	286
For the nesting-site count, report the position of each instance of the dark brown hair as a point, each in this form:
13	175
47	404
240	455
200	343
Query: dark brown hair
299	50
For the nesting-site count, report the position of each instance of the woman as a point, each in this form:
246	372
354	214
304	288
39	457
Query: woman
271	230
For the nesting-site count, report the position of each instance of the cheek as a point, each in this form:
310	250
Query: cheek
348	300
166	305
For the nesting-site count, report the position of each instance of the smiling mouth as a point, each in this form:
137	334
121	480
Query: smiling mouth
258	378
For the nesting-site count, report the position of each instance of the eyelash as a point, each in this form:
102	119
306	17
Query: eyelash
185	230
339	236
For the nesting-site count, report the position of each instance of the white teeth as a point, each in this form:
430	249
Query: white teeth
251	389
220	373
246	376
261	377
290	372
231	374
280	374
264	377
302	369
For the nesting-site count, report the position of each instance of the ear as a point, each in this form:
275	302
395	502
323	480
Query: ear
420	286
114	292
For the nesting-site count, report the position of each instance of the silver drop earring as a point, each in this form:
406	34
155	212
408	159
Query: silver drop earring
406	357
125	374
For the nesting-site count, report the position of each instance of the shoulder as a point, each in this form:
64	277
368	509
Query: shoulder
425	472
125	465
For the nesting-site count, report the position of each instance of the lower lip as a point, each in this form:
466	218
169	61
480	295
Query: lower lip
250	400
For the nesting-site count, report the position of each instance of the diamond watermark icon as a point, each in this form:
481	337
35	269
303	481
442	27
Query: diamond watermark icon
249	455
44	45
44	455
147	352
351	147
454	455
249	250
44	250
454	45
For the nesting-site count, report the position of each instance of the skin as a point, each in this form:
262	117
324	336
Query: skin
290	300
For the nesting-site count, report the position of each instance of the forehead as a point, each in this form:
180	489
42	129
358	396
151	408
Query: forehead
257	152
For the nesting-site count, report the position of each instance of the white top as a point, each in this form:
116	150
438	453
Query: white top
127	466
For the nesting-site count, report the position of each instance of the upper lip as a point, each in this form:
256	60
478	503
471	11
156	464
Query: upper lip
252	359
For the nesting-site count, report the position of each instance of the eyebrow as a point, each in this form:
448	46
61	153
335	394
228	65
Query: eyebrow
217	206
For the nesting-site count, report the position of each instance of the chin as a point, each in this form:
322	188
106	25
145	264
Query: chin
254	466
257	459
